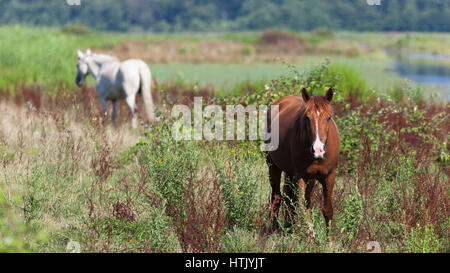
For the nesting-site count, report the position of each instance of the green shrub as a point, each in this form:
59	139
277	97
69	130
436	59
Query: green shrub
424	240
77	30
239	172
348	81
240	240
323	33
15	234
150	232
248	50
352	214
345	82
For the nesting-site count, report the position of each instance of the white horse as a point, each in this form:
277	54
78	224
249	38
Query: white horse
117	80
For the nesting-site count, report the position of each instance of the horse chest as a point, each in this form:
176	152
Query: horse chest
310	168
316	170
107	89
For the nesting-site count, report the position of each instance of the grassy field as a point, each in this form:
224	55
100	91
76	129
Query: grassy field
47	55
69	175
227	75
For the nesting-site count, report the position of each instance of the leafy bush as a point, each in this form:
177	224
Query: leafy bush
323	33
169	163
346	83
424	240
15	234
352	214
77	30
193	203
238	169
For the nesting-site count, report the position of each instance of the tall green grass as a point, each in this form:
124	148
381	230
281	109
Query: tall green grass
67	177
45	55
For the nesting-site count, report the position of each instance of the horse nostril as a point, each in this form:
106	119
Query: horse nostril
312	149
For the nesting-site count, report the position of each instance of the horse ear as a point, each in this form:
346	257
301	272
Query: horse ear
305	95
88	51
80	54
329	95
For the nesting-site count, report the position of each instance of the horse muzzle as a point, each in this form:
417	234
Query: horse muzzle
318	152
79	80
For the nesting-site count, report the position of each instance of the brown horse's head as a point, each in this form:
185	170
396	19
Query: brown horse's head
317	116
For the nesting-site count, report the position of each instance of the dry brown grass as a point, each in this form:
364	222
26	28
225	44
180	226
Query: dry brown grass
180	51
271	46
281	42
60	136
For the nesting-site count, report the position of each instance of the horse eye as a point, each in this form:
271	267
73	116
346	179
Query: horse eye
329	118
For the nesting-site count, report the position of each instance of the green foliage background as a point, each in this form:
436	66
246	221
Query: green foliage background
216	15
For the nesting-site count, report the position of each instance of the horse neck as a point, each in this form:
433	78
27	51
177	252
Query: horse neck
103	58
93	69
98	62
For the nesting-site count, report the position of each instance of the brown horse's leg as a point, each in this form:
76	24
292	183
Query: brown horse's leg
308	189
328	185
290	189
275	177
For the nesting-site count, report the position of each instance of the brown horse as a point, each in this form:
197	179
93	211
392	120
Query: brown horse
308	150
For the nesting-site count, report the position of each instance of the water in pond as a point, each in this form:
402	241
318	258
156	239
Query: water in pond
428	69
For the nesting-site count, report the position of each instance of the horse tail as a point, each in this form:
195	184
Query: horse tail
146	82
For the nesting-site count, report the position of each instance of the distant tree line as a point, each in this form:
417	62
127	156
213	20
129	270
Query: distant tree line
231	15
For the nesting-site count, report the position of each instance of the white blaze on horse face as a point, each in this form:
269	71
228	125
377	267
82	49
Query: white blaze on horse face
318	146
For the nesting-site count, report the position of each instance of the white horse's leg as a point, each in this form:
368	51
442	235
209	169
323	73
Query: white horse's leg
114	112
132	104
104	104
